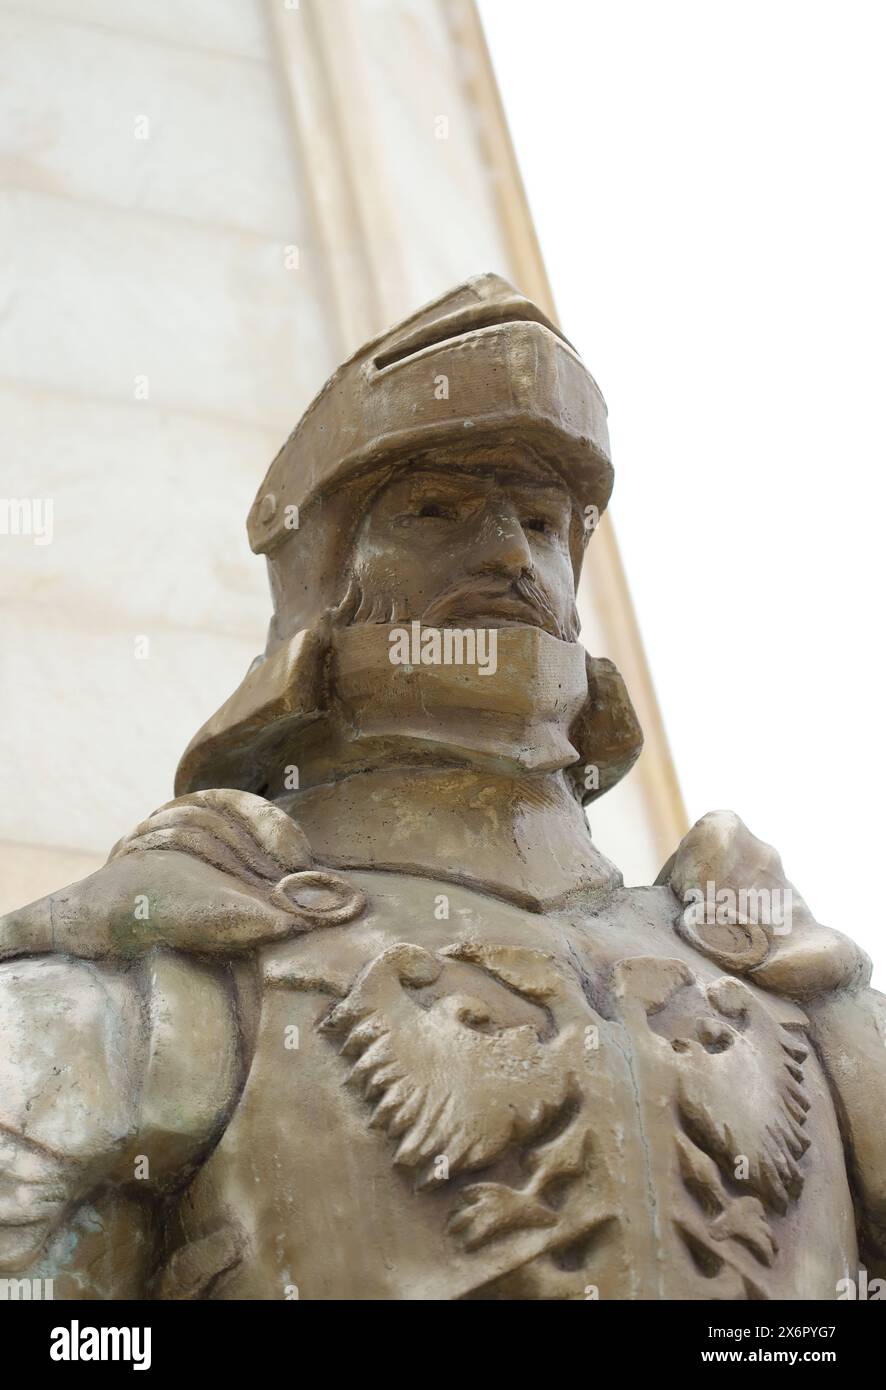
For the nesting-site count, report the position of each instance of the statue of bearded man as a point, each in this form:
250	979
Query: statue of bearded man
363	1013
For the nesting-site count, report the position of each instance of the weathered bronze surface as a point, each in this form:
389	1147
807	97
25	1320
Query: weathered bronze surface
363	1013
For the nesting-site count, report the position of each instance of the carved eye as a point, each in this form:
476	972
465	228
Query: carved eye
473	1013
536	523
714	1036
431	509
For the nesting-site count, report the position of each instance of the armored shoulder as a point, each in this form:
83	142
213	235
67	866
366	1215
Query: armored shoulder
740	910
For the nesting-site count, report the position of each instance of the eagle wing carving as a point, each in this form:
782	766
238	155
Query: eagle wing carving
445	1079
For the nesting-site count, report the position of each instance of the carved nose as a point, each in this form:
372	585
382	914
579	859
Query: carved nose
500	545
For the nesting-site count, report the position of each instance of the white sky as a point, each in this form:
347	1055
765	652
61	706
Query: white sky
707	181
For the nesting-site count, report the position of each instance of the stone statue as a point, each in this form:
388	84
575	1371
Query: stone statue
363	1013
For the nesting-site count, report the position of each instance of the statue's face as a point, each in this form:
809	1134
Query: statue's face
490	546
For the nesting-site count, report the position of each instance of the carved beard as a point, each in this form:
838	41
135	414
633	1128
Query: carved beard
461	603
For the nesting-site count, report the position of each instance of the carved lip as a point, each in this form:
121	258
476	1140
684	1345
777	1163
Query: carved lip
500	611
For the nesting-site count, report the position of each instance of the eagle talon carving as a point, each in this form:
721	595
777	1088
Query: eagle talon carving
493	1209
490	1209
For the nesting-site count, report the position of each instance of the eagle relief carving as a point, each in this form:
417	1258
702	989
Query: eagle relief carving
739	1106
455	1088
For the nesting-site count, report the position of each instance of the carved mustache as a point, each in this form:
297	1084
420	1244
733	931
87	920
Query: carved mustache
470	597
462	600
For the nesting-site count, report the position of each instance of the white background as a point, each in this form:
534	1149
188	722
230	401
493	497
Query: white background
707	184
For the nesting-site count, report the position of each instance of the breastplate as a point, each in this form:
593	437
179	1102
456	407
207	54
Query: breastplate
456	1098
